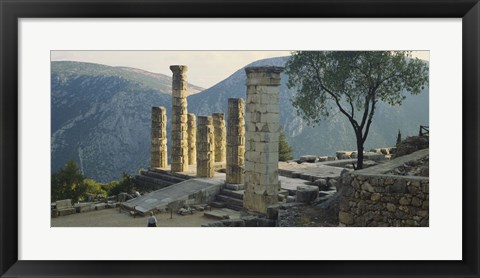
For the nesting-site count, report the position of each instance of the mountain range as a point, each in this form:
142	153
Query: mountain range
101	116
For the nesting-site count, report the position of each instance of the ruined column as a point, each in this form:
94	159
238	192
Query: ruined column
261	138
179	119
220	137
192	138
158	149
205	147
235	141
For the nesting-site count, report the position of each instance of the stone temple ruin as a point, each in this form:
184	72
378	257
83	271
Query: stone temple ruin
247	148
232	163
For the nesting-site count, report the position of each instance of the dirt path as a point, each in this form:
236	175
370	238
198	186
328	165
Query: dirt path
114	218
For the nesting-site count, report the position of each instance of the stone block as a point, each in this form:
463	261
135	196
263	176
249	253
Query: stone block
265	222
322	158
306	193
399	186
66	211
272	211
85	207
345	218
290	199
63	204
308	158
366	186
235	187
250	221
100	206
391	207
373	156
233	222
321	184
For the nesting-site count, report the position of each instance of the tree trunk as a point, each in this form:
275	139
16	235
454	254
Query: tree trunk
359	153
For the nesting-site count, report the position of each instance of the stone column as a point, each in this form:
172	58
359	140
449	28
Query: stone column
205	147
220	136
179	119
192	138
235	141
158	149
261	138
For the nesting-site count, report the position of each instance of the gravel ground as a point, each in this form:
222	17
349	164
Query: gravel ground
114	218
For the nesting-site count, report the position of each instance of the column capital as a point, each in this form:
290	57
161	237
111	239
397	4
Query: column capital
160	109
265	69
205	120
178	68
236	101
218	116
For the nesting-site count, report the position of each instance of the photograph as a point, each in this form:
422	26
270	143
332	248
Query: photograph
293	138
239	138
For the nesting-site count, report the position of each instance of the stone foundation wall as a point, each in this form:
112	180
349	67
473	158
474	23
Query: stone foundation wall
371	200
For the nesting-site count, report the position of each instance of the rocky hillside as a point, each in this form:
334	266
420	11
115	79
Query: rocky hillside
330	135
101	116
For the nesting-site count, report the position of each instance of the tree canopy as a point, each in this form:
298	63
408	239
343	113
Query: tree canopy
69	183
352	82
284	149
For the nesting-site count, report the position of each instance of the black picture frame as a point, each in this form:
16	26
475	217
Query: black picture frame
11	11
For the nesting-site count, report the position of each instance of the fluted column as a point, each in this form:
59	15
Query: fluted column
220	137
179	119
192	138
235	141
205	147
158	149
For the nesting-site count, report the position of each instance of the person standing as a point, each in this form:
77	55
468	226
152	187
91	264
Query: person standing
152	220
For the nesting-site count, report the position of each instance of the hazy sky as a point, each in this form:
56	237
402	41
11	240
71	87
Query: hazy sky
205	68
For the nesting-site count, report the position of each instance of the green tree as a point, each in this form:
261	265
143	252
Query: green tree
126	184
68	183
94	188
399	138
284	149
352	82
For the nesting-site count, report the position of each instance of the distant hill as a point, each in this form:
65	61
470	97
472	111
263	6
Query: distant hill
330	135
101	116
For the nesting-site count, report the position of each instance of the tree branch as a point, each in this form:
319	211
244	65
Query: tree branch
370	117
335	97
366	109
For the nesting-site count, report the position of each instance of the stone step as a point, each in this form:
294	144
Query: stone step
162	176
217	204
224	213
231	193
235	187
327	193
216	215
170	173
153	181
235	207
229	200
